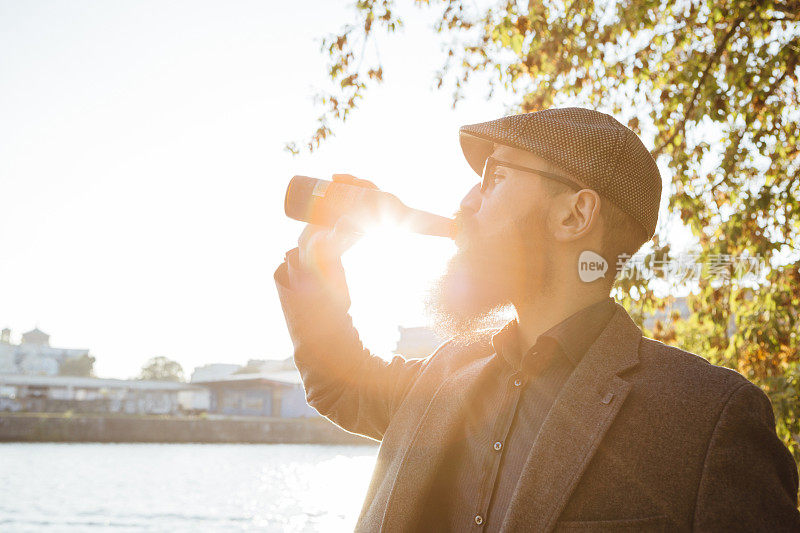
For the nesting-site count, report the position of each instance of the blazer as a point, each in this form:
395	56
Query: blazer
642	437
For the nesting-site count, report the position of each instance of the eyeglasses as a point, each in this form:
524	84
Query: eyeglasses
492	164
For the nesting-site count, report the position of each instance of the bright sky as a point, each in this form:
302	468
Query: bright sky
142	173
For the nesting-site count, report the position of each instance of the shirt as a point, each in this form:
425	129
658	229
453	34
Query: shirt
475	485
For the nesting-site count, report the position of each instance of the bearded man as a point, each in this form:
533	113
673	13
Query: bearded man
567	418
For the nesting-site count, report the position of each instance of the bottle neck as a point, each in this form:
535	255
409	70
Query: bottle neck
428	224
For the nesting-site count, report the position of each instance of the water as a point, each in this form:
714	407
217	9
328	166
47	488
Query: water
182	487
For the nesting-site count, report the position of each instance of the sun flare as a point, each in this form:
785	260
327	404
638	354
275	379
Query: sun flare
392	265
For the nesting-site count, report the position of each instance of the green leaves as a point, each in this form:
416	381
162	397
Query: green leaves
347	70
713	84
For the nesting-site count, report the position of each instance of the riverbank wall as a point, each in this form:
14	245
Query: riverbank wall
52	427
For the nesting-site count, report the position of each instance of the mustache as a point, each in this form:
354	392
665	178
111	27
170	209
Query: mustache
459	217
464	222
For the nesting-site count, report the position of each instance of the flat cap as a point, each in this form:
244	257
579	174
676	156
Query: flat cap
591	146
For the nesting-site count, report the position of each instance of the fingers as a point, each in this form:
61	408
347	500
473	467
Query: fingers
307	244
352	180
308	233
320	245
319	255
345	234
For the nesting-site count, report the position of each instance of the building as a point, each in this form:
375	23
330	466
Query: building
8	364
19	392
33	355
213	372
219	371
271	394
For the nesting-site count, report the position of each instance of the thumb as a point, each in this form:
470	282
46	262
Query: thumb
345	234
349	179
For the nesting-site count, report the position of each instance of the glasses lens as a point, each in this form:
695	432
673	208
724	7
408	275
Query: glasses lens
488	170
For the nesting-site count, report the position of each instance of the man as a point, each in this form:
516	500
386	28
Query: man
566	418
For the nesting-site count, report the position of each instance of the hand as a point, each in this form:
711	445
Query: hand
320	247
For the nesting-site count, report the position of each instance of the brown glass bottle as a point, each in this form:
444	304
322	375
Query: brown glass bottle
324	202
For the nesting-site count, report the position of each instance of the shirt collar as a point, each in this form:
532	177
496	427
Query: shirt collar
577	333
573	335
505	341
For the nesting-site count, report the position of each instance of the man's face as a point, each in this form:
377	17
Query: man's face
503	246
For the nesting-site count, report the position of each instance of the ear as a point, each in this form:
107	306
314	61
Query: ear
576	216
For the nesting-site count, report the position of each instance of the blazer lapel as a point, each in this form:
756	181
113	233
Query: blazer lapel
426	447
573	429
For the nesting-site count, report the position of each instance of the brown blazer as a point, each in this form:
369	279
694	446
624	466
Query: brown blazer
643	436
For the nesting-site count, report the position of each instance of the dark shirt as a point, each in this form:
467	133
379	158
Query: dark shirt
474	487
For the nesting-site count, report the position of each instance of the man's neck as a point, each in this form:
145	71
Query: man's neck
544	311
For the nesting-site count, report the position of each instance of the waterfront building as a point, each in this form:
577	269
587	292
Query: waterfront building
272	394
34	355
19	392
219	371
213	372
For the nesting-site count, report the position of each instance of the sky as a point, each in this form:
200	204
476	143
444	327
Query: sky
142	173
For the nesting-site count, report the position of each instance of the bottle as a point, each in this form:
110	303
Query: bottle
323	202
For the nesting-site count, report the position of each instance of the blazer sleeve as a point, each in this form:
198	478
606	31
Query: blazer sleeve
343	381
749	480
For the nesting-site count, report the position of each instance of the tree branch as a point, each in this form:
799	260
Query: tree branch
693	101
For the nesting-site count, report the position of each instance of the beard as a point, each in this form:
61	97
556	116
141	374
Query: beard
486	277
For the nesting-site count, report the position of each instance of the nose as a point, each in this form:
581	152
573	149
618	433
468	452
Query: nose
471	203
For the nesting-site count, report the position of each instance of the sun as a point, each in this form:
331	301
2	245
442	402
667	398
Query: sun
389	272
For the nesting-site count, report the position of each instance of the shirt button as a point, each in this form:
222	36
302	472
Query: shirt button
518	382
498	446
478	519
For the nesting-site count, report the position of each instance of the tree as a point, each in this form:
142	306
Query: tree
82	366
162	369
712	88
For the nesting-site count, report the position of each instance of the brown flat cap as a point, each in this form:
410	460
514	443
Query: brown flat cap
589	145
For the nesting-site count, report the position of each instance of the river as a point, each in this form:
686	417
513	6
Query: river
182	487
